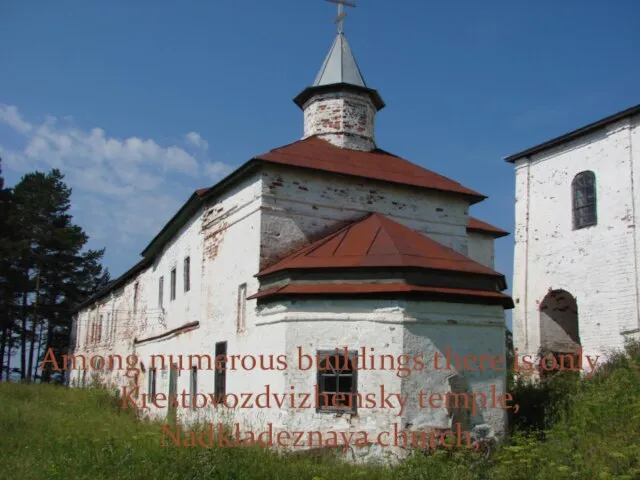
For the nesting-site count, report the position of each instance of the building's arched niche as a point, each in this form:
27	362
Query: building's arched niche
559	331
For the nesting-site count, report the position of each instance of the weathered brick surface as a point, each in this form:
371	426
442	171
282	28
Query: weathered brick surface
344	119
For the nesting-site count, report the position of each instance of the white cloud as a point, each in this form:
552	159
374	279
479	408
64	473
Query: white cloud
123	189
9	115
196	140
217	169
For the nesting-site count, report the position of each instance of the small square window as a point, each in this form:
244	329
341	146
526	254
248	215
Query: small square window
337	382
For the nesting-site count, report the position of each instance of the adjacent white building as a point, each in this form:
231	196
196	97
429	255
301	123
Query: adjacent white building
576	253
328	242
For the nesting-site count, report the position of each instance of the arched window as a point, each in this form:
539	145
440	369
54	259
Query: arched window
584	200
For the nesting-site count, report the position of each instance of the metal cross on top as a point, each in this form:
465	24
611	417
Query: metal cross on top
339	20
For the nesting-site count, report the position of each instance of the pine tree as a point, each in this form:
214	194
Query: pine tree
53	273
6	285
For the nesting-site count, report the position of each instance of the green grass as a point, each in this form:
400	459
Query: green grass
591	430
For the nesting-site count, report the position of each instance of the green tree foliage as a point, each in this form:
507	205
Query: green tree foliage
509	357
47	271
7	295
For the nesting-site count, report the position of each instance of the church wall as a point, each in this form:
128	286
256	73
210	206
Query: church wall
222	241
634	146
228	237
519	315
121	324
597	264
174	313
319	325
481	249
391	327
303	206
455	332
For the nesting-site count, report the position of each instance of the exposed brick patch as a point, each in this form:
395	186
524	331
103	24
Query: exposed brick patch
344	119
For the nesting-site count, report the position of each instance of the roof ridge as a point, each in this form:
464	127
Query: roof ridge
373	240
344	234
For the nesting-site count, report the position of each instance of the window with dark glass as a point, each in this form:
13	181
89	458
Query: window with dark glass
173	284
584	200
114	325
187	268
135	298
160	291
99	331
194	386
337	381
152	383
220	386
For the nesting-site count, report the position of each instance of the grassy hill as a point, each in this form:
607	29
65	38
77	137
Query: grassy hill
567	429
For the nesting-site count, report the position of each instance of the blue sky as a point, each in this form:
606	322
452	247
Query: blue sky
140	102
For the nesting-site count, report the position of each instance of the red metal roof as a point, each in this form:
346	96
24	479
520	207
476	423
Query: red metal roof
380	288
376	241
480	226
317	154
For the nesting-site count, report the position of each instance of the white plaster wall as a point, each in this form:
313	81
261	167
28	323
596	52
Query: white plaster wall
520	315
390	327
229	237
125	323
302	206
319	325
149	318
223	242
459	330
633	331
597	265
481	248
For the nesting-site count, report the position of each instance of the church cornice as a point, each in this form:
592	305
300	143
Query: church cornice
309	92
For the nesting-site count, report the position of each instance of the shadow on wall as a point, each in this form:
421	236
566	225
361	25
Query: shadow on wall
465	405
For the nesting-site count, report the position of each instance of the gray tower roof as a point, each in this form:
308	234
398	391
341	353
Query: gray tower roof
339	72
340	66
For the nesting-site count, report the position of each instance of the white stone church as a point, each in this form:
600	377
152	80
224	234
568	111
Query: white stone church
327	242
576	277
